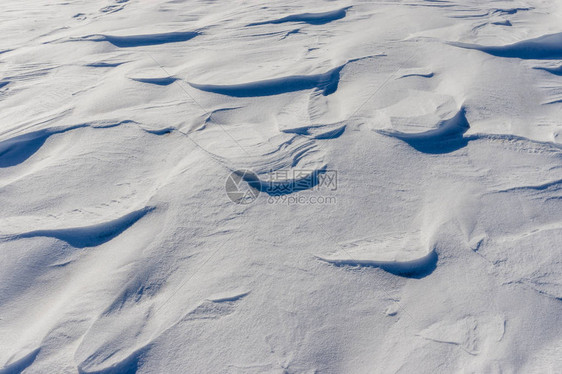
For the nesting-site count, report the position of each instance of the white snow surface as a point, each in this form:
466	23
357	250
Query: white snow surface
440	250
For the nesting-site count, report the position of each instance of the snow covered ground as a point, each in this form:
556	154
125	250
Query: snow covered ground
401	209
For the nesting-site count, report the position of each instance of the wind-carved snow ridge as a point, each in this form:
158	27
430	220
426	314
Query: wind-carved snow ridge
104	64
552	186
18	366
413	268
447	137
326	82
310	18
90	236
129	41
546	47
18	149
128	365
555	71
164	81
421	75
403	256
318	131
